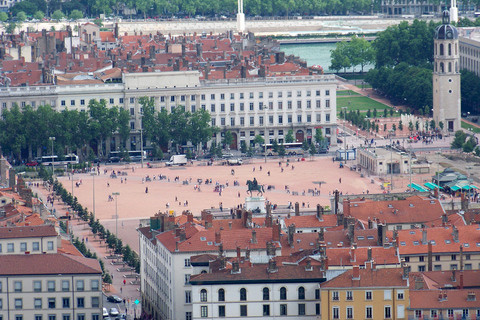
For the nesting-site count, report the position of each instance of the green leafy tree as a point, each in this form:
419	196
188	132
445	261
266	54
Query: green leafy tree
470	145
312	150
10	28
432	124
76	14
385	127
319	136
400	125
477	151
385	112
417	125
459	139
410	126
98	22
339	57
124	125
275	145
243	146
289	137
39	15
281	150
394	127
3	16
200	129
374	112
228	139
259	140
57	15
21	16
305	145
440	124
179	128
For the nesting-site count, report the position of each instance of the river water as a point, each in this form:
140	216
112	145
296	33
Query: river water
317	53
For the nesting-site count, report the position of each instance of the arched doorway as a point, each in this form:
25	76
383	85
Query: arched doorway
300	136
233	145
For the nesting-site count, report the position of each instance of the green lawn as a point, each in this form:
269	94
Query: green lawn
468	125
365	86
361	103
347	93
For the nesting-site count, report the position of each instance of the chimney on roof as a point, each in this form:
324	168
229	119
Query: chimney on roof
319	212
406	270
218	238
230	225
270	249
184	50
272	265
239	252
208	220
262	71
222	263
356	273
351	233
309	265
455	233
352	254
424	236
276	232
247	254
183	235
346	207
430	256
461	257
454	277
268	218
176	246
297	209
235	266
324	263
220	249
369	254
189	217
243	72
461	280
340	218
291	232
444	219
177	232
199	50
381	234
321	235
254	236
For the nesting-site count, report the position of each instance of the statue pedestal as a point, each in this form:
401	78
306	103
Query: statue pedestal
255	203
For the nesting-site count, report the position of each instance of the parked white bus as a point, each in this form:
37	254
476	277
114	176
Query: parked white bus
55	160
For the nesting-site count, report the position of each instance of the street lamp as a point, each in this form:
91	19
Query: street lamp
391	165
52	139
93	174
116	213
344	135
265	134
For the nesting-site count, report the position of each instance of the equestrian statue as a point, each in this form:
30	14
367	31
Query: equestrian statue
254	186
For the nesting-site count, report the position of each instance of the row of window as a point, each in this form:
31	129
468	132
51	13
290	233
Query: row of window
301	311
51	285
453	257
261	106
434	313
280	120
24	246
438	267
52	303
243	294
65	316
387	295
387	312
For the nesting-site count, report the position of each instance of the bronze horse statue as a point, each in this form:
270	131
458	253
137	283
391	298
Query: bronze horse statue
252	186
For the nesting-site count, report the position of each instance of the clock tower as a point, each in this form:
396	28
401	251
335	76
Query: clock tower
446	76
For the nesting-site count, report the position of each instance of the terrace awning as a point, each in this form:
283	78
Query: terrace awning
417	187
454	188
432	186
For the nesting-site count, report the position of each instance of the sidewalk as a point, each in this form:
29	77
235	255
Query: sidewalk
82	231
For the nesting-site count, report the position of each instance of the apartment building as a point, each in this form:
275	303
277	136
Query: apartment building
50	287
28	240
368	293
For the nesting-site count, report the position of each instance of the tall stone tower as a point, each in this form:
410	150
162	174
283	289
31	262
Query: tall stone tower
446	76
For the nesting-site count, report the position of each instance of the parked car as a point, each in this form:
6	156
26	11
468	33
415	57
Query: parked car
114	312
105	313
32	163
114	298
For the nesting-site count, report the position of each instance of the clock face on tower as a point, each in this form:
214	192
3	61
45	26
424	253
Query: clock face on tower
449	34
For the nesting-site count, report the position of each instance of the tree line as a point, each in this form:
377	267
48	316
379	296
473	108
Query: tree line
25	130
183	8
403	59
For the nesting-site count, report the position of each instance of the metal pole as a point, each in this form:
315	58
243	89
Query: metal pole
52	139
410	165
141	136
344	135
391	165
265	135
93	174
116	194
438	173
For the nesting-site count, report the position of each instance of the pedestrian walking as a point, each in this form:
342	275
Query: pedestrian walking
124	282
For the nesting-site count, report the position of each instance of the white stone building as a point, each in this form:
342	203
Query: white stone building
258	291
50	287
245	106
28	240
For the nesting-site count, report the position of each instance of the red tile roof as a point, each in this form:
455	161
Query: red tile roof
411	240
47	264
452	299
389	277
396	211
27	232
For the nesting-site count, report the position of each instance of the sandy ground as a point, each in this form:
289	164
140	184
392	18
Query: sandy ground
134	202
